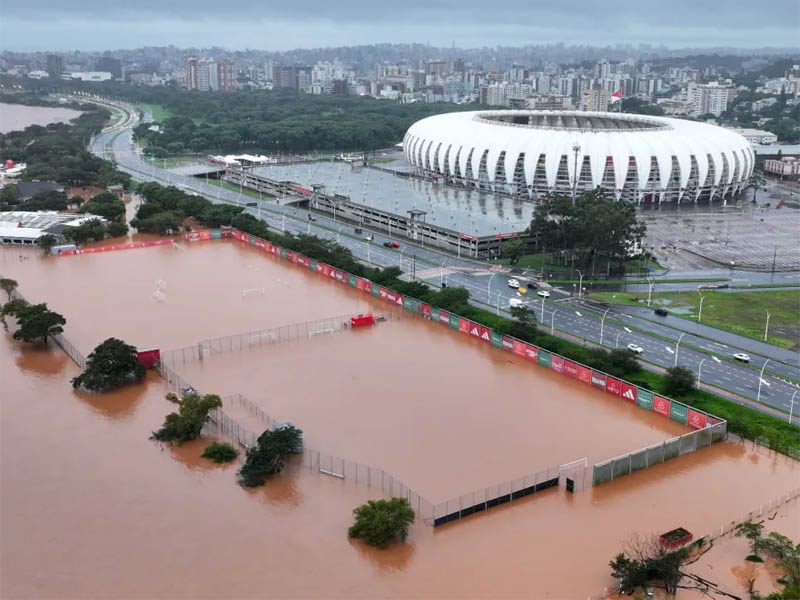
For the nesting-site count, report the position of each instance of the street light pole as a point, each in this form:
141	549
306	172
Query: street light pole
617	342
602	324
791	407
552	320
761	380
542	319
401	258
700	312
677	347
489	286
649	290
441	273
580	283
766	327
699	372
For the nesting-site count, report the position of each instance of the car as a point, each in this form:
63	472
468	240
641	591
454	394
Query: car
368	237
543	293
515	302
532	285
387	244
311	217
661	312
635	348
742	357
395	245
513	283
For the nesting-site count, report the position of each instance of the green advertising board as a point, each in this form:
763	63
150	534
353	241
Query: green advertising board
216	234
353	281
497	339
408	303
435	314
312	264
376	290
453	321
544	358
417	306
283	252
678	412
644	399
252	239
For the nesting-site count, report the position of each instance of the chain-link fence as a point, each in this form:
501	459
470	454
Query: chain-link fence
264	337
657	453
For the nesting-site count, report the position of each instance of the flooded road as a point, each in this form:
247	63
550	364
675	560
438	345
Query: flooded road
444	413
92	508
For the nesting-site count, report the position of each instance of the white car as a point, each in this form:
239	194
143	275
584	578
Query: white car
635	348
543	293
513	283
515	302
742	357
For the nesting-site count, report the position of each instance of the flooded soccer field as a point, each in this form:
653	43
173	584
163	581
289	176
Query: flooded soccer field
92	508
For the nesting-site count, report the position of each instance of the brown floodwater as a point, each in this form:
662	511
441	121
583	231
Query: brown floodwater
91	508
444	413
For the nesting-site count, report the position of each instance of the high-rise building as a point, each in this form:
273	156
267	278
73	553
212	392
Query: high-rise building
109	64
226	75
55	66
709	98
595	99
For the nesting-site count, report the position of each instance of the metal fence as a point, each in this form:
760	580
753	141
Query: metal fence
495	495
657	453
264	337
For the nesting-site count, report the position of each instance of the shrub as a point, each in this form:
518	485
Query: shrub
268	456
379	522
679	381
187	423
220	452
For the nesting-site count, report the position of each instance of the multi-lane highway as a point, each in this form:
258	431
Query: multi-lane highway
663	344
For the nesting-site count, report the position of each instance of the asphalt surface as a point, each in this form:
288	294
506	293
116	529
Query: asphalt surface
489	286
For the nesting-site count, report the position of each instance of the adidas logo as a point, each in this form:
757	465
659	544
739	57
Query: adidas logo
629	395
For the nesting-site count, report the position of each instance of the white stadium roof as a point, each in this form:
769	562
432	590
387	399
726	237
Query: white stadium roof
639	157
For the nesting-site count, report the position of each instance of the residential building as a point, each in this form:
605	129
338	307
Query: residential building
55	66
595	99
109	64
757	136
785	167
710	98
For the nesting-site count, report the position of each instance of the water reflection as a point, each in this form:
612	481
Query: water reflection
393	559
39	360
121	404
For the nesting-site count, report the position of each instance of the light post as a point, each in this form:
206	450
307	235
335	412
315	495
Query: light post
700	372
401	259
650	290
791	407
367	244
677	347
338	233
602	324
441	273
580	283
700	312
617	342
761	380
552	320
766	327
498	303
542	319
489	286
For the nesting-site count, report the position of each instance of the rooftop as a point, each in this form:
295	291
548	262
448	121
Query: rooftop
571	120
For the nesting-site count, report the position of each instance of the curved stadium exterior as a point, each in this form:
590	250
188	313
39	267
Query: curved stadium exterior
534	153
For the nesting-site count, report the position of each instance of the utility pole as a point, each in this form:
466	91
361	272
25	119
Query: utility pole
774	255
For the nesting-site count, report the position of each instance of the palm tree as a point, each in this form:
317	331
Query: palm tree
756	182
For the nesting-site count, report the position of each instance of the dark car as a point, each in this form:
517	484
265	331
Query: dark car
388	244
661	312
532	285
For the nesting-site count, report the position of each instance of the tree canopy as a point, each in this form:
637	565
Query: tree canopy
186	424
8	286
37	322
111	364
105	204
267	457
379	522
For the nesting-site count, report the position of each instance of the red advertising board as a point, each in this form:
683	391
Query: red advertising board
116	247
584	374
711	421
426	310
324	269
696	419
444	318
599	379
290	256
196	236
383	293
571	369
519	347
628	392
463	325
531	352
303	260
394	297
661	406
480	332
362	284
613	386
556	363
508	344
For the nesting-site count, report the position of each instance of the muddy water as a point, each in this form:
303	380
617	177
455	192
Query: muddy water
115	293
444	413
91	508
14	117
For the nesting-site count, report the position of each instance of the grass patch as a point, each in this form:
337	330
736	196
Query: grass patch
384	159
158	112
235	188
549	262
743	313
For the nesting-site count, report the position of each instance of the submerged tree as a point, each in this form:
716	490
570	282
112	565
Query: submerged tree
37	322
46	242
379	522
186	424
220	452
267	458
111	364
8	286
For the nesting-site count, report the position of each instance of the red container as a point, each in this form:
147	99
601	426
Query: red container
149	357
362	320
675	538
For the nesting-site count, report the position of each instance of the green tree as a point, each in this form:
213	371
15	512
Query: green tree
91	230
679	381
106	205
117	229
267	457
10	308
513	250
646	560
187	423
37	322
111	364
8	286
379	522
8	196
220	452
756	182
753	532
46	242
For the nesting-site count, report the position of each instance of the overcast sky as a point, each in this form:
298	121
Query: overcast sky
270	25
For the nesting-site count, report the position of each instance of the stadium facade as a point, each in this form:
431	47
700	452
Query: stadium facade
529	154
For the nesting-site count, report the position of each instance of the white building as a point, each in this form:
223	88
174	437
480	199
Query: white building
757	136
709	98
92	76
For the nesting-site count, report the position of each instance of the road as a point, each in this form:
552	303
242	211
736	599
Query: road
488	285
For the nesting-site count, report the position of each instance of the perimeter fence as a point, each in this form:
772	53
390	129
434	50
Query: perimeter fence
658	453
264	337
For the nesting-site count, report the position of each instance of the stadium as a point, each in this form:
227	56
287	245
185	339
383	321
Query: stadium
529	154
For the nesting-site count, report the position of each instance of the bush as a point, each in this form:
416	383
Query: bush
117	229
187	423
268	456
220	452
754	558
679	381
379	522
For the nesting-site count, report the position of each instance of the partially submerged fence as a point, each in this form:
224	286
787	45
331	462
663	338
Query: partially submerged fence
263	337
657	453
